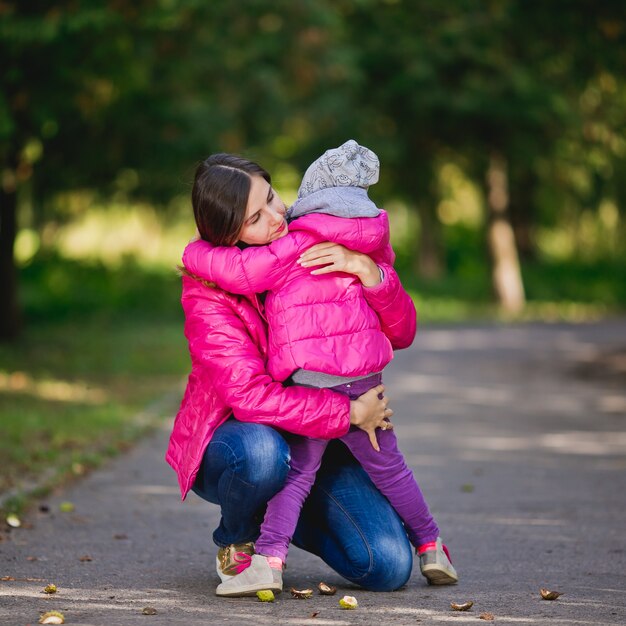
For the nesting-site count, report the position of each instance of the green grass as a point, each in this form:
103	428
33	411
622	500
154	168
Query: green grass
99	346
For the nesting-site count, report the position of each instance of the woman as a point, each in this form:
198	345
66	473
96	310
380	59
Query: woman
241	463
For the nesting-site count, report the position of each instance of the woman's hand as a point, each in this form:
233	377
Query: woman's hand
370	412
337	258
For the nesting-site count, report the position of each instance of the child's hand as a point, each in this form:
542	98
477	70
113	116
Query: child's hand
337	258
370	412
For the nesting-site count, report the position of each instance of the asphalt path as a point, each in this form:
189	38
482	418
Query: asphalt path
517	435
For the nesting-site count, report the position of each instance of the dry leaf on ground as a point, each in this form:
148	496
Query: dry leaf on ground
327	590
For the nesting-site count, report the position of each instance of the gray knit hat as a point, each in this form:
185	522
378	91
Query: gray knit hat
349	165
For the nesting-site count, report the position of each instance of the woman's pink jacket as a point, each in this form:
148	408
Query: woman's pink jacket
228	345
321	323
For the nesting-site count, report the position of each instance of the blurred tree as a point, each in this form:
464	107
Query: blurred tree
65	66
498	82
122	97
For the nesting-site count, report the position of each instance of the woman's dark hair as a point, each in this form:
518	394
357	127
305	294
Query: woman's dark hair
220	196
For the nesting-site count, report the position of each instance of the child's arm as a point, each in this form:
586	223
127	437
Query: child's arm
252	270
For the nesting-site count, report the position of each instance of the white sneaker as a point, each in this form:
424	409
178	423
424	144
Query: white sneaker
257	577
435	563
233	559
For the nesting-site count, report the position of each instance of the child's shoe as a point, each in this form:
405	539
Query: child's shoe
233	559
257	577
435	563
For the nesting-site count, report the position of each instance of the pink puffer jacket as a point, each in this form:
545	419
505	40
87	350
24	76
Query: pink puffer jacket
318	323
228	348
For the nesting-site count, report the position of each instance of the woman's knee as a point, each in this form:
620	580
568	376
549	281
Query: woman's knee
386	565
259	454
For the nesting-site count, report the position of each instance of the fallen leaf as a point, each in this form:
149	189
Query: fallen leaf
52	617
487	616
348	602
32	558
148	610
546	594
301	594
51	588
120	536
327	590
66	507
314	614
467	488
465	606
13	520
7	578
85	558
265	595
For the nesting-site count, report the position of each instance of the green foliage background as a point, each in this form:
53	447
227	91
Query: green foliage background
122	99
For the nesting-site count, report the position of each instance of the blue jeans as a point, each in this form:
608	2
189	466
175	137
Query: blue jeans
345	520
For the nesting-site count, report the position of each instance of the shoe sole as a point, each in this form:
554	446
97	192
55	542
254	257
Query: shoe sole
249	590
436	576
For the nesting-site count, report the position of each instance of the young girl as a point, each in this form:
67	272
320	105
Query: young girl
322	333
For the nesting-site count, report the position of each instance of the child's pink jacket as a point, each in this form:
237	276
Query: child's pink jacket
318	323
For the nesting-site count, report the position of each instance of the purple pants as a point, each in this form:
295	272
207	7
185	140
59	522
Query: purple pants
387	469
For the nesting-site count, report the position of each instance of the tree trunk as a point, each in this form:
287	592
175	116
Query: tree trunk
505	272
428	261
10	318
522	211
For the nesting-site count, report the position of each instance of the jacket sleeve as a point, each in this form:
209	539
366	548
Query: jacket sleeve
224	352
394	307
252	270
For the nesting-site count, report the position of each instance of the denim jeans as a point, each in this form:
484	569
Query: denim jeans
345	520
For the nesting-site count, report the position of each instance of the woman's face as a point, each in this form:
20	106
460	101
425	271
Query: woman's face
265	215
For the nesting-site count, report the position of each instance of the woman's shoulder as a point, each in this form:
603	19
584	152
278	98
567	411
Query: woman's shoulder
216	320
